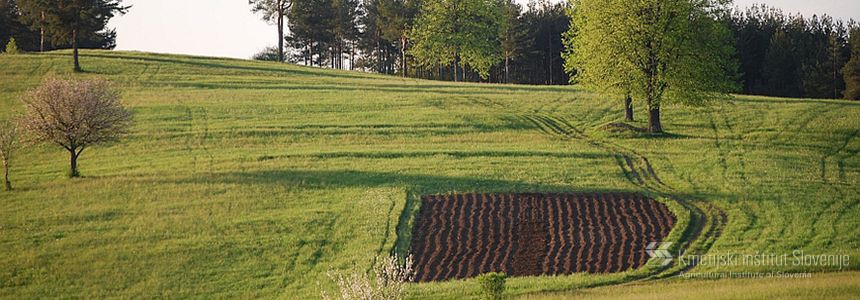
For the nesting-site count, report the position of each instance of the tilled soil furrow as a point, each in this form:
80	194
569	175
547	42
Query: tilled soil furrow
461	236
449	235
492	245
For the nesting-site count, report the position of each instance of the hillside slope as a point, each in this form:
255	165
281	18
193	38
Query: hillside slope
252	179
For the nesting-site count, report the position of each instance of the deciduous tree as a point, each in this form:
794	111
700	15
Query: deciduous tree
75	114
9	143
658	50
462	32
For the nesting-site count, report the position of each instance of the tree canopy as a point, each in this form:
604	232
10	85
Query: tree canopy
462	32
656	50
70	21
273	11
75	114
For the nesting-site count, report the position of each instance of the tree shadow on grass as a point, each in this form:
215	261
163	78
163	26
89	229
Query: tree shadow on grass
416	185
425	86
419	183
208	63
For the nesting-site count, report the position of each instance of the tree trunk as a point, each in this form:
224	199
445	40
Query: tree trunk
75	50
403	54
73	164
280	35
457	75
8	184
654	125
507	64
42	33
455	70
628	109
352	55
549	58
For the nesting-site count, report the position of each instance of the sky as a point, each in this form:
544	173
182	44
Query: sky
227	28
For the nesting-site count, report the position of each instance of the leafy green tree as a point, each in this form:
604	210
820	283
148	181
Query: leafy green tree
268	54
70	21
658	50
851	71
273	12
461	33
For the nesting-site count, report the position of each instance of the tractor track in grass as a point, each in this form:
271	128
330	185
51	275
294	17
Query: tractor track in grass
706	220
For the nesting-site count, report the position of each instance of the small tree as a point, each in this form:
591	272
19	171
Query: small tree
388	283
268	54
75	114
492	285
12	47
8	145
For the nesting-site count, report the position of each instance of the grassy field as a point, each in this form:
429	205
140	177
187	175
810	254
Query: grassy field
252	179
843	285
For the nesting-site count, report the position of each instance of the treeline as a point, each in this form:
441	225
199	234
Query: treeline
31	37
523	44
791	56
778	54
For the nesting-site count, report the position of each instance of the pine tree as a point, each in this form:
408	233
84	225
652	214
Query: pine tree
12	47
70	21
782	67
311	23
851	71
395	20
274	12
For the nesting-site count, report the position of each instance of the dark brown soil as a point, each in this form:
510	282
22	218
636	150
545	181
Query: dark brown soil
461	236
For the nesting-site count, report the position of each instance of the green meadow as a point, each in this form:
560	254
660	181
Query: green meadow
253	179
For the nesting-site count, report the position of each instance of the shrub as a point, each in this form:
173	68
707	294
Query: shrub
492	285
12	47
388	282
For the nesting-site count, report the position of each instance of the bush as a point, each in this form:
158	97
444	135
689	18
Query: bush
390	276
492	285
12	47
267	54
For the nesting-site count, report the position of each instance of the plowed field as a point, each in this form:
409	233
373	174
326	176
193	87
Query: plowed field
461	236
